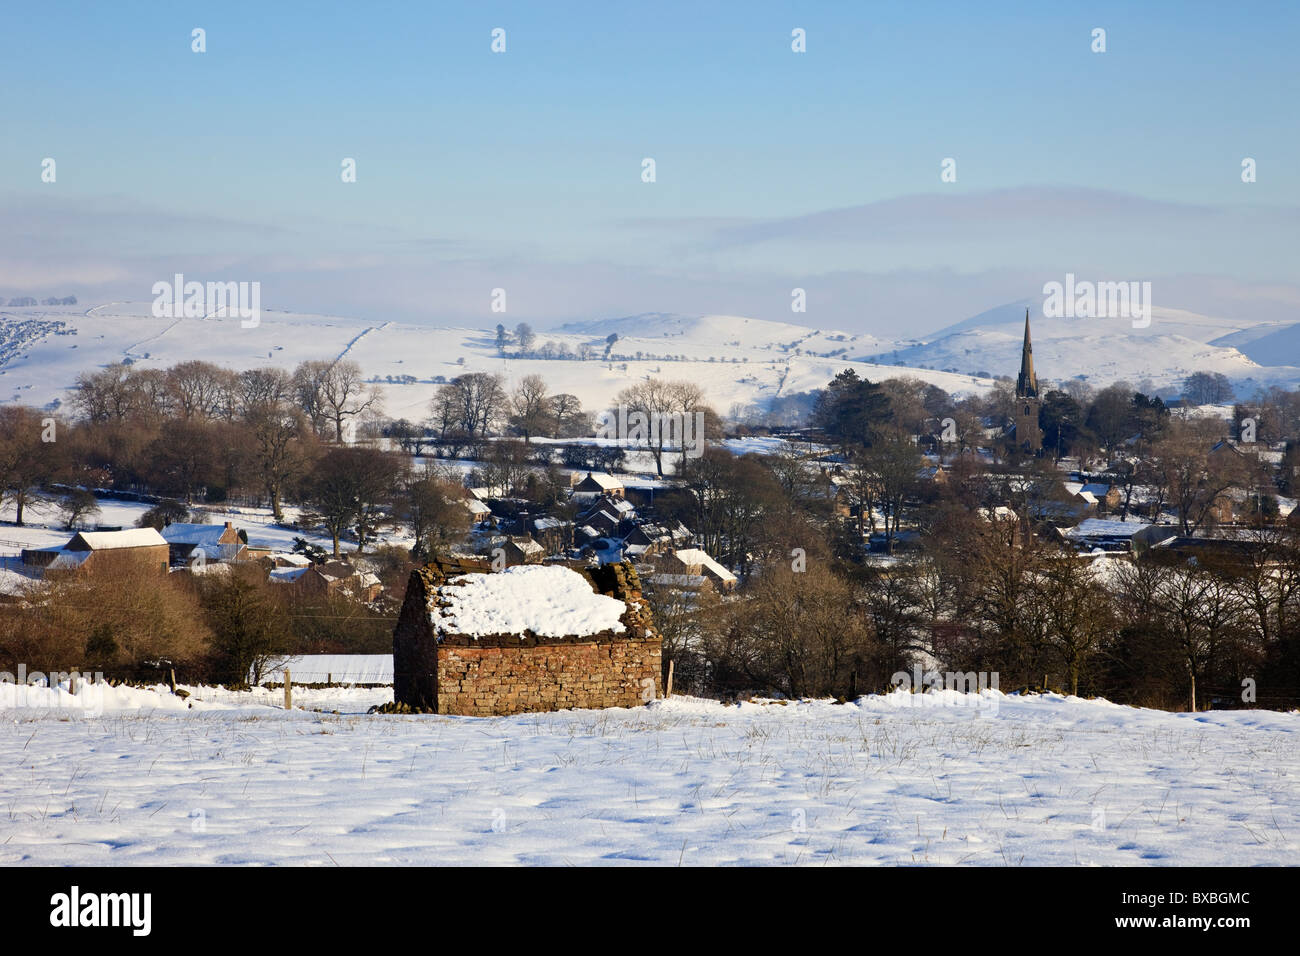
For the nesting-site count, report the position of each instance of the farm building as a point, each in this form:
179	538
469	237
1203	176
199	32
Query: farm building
131	550
202	542
472	642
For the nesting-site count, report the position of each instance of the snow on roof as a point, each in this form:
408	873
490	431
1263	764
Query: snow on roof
211	568
1106	528
678	580
129	538
605	481
69	559
294	560
199	534
543	524
287	575
529	547
694	556
548	600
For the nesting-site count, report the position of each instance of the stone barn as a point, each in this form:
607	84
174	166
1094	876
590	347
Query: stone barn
475	642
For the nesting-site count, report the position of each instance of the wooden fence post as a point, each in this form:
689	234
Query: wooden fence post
288	690
668	690
173	680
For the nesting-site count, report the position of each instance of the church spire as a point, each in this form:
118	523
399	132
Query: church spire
1027	383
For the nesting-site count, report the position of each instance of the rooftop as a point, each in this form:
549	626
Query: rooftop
546	600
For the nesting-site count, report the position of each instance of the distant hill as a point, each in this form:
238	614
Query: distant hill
739	361
1175	344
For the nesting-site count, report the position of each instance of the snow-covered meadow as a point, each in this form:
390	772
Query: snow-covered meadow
145	778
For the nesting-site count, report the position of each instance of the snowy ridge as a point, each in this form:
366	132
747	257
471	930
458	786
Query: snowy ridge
737	360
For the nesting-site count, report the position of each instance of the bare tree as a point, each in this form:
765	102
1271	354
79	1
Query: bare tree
200	389
26	462
475	401
524	336
353	488
432	502
309	391
531	410
1197	469
655	399
567	418
344	395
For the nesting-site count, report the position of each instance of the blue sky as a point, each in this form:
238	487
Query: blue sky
522	170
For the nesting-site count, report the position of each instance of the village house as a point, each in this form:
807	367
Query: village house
1093	497
1094	534
469	641
133	549
649	539
331	578
603	523
598	483
696	562
203	542
553	534
620	508
479	512
523	550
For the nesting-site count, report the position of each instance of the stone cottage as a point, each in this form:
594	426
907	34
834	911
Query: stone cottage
475	642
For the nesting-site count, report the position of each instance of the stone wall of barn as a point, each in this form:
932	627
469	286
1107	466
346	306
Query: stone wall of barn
483	681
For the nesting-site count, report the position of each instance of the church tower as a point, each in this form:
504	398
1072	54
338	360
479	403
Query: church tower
1028	434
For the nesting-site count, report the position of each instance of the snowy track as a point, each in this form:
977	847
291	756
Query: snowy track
1042	781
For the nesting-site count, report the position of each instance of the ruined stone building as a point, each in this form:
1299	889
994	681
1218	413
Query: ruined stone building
475	642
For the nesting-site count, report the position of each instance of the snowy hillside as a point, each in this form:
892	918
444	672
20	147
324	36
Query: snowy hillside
739	361
1175	344
1028	781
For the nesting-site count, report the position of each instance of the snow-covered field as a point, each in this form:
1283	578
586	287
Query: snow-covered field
1038	780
